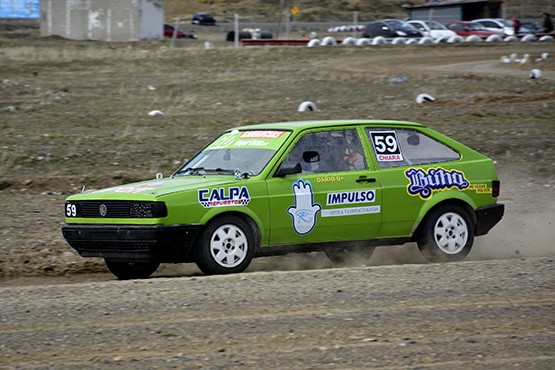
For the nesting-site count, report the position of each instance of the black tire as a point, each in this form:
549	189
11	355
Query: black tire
447	234
132	270
349	255
227	246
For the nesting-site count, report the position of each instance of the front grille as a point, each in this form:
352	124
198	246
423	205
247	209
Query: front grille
119	209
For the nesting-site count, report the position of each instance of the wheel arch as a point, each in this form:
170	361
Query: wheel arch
466	204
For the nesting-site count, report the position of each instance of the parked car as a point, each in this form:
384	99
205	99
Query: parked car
169	30
203	19
531	26
432	29
500	26
465	29
341	187
390	28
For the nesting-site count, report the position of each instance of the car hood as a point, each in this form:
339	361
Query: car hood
153	189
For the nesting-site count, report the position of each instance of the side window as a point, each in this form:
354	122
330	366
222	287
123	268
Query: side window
338	150
403	147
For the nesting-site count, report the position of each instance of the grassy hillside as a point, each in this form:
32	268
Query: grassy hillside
326	10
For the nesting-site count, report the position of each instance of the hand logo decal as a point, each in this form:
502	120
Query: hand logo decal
304	211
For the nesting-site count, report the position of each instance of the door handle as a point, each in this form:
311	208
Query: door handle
365	179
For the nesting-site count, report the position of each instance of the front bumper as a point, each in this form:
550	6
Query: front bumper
133	242
487	217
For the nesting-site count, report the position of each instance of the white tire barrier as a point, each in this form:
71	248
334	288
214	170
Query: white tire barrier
510	39
363	42
505	60
313	43
425	40
473	38
528	38
328	41
535	74
439	40
307	106
424	98
411	42
398	41
156	113
494	38
454	39
545	56
378	40
546	38
349	41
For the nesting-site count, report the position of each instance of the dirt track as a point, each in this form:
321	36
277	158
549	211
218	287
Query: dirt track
480	315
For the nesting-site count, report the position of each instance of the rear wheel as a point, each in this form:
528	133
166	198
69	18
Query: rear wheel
132	270
227	246
447	234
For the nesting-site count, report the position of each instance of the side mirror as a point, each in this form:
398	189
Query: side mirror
311	156
288	169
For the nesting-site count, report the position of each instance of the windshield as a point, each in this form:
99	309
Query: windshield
476	27
397	25
436	25
244	153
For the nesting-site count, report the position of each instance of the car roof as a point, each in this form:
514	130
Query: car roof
305	125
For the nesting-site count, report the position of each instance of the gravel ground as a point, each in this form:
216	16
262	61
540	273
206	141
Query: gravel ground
479	315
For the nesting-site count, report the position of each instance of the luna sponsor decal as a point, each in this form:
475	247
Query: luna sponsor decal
424	182
304	211
351	197
224	197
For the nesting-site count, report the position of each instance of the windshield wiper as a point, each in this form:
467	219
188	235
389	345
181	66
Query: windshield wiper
192	170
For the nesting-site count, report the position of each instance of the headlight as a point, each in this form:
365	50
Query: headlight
147	210
401	33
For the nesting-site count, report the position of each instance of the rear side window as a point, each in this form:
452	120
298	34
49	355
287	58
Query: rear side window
403	147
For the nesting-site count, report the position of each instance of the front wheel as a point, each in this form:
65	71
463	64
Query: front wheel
227	246
131	270
447	234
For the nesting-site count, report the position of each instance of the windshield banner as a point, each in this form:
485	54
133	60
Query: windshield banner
258	139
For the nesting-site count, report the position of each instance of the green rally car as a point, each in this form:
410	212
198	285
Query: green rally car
342	187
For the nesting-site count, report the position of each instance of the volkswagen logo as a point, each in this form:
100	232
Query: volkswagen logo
103	210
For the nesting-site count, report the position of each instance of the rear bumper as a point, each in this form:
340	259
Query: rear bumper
487	217
133	242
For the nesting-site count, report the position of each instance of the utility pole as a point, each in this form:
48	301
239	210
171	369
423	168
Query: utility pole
280	16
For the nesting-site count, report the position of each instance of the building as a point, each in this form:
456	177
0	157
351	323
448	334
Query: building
104	20
456	10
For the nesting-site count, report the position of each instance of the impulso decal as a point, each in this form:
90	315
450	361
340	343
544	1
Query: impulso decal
224	197
386	146
423	183
351	197
330	178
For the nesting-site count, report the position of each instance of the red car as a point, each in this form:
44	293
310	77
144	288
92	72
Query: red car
467	29
168	32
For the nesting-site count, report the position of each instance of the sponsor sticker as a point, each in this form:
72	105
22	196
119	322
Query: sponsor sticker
262	134
423	183
331	178
480	188
132	189
224	197
351	211
304	212
351	197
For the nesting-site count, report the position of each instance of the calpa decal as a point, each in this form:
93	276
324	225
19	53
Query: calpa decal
424	182
224	197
